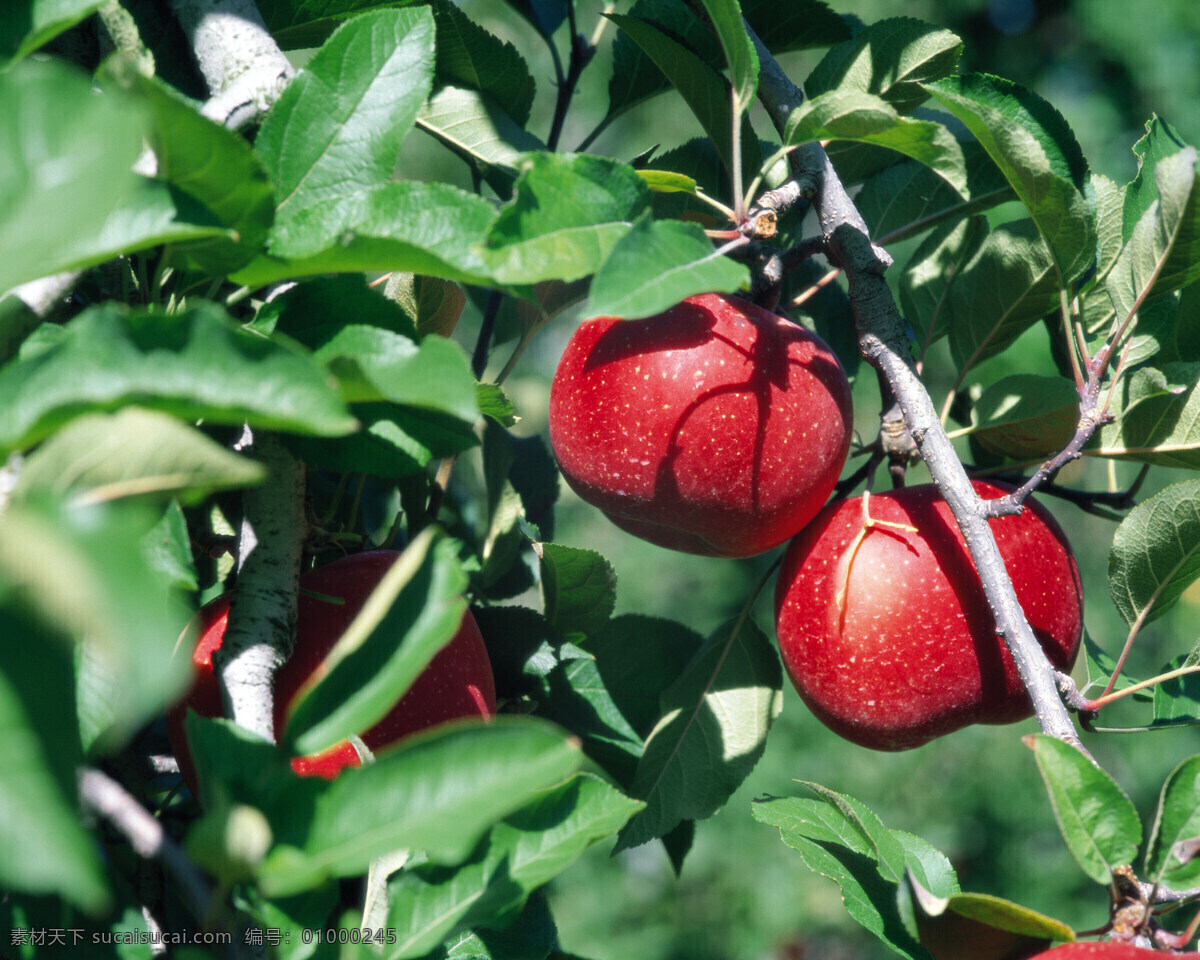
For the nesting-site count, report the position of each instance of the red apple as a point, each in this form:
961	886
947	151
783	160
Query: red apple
1099	950
887	634
457	682
715	428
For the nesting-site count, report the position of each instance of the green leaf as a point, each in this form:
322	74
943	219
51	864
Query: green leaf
438	792
66	159
908	198
1026	416
214	166
1177	821
1033	146
485	137
26	25
1158	419
1097	820
85	571
335	131
703	89
726	18
799	25
657	264
891	59
193	364
46	851
844	114
133	453
432	304
470	56
1160	141
568	213
1006	287
1163	253
712	731
427	228
929	273
414	611
1177	701
167	547
531	936
579	588
1155	553
522	852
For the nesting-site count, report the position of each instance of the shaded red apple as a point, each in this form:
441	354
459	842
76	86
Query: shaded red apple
456	683
887	634
716	427
1099	950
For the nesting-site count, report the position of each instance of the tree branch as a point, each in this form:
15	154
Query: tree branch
243	66
884	344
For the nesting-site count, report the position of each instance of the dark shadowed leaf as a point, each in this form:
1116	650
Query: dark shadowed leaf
1155	553
930	272
412	613
29	24
713	728
194	364
1097	820
657	264
799	25
1168	860
522	852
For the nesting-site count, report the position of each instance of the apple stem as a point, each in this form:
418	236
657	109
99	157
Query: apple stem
262	614
883	342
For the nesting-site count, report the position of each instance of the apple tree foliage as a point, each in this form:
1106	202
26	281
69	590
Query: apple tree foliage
218	289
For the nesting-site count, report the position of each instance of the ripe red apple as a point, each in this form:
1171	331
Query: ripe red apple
715	428
456	683
887	634
1099	950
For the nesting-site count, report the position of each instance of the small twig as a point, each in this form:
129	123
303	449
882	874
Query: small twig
582	52
483	343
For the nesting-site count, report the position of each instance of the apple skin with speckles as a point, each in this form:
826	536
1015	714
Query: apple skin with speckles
457	683
1101	950
887	634
715	427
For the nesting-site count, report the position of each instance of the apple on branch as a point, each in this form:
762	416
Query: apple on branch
716	427
457	683
884	627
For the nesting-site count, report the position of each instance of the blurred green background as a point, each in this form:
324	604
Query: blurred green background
1107	66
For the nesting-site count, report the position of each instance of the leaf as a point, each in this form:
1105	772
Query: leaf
335	131
214	166
703	89
470	56
726	18
46	849
522	852
438	792
30	24
414	611
1155	553
908	198
1006	287
1177	821
1177	701
831	845
579	588
1097	820
1026	416
890	59
1158	420
167	548
484	136
1033	146
193	364
427	228
133	453
1163	253
1160	141
531	936
657	264
85	572
930	272
67	156
432	304
712	731
568	213
800	25
853	115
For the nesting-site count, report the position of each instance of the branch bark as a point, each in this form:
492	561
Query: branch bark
243	66
884	344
